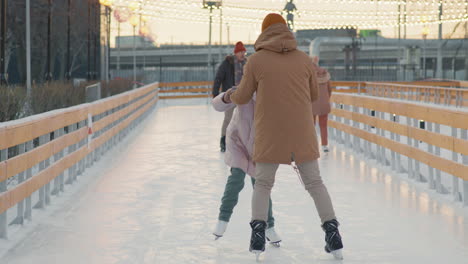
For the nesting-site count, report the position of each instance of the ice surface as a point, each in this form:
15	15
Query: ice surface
157	200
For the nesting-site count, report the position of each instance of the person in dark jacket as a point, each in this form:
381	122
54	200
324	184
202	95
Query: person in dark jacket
225	79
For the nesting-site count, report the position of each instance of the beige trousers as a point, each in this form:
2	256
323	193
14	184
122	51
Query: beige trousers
310	174
227	119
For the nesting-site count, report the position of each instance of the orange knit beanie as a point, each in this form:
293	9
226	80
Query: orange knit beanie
271	19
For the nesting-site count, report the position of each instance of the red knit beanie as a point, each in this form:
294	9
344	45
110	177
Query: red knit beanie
271	19
239	47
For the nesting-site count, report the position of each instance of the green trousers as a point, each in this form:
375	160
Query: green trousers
234	185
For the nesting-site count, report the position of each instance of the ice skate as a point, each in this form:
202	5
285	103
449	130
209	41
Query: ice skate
257	239
220	229
325	149
273	237
222	143
333	241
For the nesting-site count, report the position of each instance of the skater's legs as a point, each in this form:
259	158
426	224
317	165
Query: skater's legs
265	178
310	175
227	119
234	185
271	219
323	119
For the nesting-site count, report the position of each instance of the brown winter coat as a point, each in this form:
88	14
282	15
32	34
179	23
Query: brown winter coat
286	86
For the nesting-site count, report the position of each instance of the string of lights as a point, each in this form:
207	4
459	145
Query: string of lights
237	15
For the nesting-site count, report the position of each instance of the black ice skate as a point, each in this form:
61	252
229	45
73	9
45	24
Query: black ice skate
222	143
333	238
257	240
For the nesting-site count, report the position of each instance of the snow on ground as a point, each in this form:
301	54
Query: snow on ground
156	201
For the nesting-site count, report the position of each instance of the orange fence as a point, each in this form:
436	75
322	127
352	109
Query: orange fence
429	94
386	129
44	148
399	90
203	89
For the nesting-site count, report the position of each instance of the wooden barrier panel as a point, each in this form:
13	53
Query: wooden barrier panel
442	116
434	161
21	132
443	141
438	95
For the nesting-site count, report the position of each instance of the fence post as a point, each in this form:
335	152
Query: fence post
356	140
382	149
71	149
56	188
417	171
46	165
409	142
347	136
20	206
41	203
431	169
399	168
464	135
392	153
3	188
438	181
367	143
455	186
61	155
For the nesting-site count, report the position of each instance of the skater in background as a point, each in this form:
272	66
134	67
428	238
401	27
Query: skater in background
239	139
225	79
285	83
321	107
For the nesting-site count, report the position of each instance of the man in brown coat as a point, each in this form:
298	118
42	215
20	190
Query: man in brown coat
285	84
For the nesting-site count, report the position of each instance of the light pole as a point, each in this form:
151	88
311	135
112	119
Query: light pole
424	35
28	49
439	44
48	76
3	74
68	72
107	5
210	5
134	23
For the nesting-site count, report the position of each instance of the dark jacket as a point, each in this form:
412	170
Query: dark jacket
224	76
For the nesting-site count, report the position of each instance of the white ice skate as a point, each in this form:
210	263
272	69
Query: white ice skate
338	254
257	254
220	229
272	237
325	149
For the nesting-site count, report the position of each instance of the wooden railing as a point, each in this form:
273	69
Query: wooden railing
429	94
386	129
57	146
203	89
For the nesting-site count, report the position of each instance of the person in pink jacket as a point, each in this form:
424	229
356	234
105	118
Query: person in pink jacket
321	107
239	141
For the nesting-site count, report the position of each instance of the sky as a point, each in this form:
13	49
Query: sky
185	21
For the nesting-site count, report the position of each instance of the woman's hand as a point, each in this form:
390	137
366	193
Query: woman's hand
227	95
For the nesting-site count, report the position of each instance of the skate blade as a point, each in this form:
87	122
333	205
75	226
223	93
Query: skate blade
257	254
338	254
217	236
276	244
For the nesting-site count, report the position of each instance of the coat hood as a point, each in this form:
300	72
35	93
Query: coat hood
276	38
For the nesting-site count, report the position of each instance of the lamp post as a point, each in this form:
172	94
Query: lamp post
107	4
425	32
3	74
210	5
48	76
28	49
134	23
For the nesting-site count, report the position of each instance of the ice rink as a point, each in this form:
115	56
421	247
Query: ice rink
156	200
